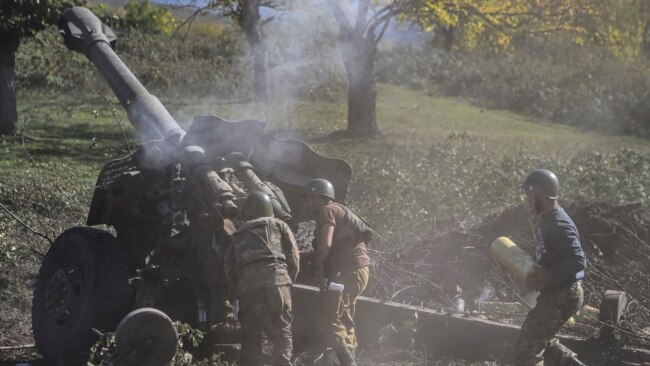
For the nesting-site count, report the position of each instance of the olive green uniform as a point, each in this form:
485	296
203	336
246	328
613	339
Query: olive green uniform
261	264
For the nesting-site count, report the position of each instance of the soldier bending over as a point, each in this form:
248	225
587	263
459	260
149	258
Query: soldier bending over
261	265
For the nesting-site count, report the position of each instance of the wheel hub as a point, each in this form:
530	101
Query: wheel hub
63	297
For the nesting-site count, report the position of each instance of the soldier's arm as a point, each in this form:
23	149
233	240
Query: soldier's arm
323	245
566	242
291	252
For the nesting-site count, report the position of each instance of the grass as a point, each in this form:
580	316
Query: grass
408	118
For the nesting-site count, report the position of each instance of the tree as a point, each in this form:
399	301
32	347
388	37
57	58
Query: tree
247	14
358	48
249	18
20	19
493	22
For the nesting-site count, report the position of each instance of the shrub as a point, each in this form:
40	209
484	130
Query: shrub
579	86
200	65
146	17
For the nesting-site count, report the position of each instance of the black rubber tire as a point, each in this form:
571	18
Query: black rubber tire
82	284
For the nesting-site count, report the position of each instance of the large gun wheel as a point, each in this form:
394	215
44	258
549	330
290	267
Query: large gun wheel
82	284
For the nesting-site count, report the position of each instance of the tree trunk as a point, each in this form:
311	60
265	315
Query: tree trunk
448	37
250	22
260	70
646	39
8	113
358	57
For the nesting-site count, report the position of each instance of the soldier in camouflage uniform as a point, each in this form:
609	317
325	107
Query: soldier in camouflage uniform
261	264
340	256
561	267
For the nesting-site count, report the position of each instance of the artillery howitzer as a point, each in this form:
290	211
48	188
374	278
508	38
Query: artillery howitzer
172	204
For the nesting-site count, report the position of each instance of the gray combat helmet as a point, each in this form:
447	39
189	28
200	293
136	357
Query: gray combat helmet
257	205
541	182
320	187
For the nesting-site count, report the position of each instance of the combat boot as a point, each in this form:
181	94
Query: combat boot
344	355
573	361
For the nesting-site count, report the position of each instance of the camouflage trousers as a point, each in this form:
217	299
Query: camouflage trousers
554	307
266	311
337	310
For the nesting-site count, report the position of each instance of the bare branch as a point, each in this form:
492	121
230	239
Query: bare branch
3	348
19	242
190	19
23	224
266	21
119	124
383	30
339	16
385	19
378	13
39	181
362	14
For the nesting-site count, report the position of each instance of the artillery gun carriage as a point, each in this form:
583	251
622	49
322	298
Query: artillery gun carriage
173	205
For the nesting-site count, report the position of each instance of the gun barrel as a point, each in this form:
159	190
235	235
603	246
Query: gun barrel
83	32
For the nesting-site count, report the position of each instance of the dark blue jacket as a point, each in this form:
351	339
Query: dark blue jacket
558	248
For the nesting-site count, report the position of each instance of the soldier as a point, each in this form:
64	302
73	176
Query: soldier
561	267
261	265
340	256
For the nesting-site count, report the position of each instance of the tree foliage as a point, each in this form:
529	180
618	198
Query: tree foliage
141	15
145	16
20	19
24	18
622	26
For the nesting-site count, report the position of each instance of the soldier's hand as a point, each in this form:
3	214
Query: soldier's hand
539	278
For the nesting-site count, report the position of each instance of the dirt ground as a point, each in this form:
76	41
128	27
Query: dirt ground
442	268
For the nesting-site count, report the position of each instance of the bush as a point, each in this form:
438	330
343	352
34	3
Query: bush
579	86
211	60
146	17
463	178
200	65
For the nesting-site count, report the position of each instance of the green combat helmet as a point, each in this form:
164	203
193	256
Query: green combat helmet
320	187
257	205
543	183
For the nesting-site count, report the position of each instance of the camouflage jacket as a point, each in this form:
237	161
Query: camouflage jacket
262	252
